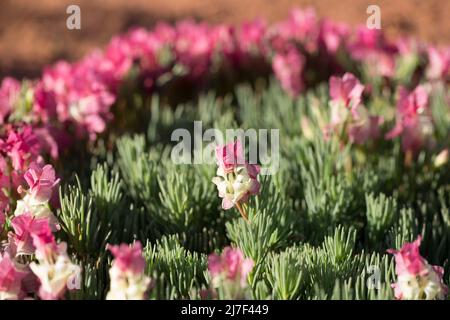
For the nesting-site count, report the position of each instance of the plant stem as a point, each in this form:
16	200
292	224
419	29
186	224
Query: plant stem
242	211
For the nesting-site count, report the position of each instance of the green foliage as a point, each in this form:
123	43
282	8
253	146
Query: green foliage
319	229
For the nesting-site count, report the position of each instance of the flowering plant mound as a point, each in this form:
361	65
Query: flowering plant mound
93	204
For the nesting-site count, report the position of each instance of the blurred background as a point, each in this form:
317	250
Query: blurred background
34	34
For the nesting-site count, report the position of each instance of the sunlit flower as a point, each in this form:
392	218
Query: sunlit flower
128	280
416	279
54	269
236	179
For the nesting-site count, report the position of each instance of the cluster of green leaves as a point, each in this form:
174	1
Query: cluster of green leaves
319	228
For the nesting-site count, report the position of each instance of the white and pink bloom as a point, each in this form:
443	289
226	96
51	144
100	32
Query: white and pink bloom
53	268
416	279
347	112
229	271
127	273
41	181
414	122
236	179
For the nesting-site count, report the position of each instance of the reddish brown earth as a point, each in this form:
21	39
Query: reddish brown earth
33	33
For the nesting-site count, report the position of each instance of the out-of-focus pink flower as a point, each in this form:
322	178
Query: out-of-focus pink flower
236	179
346	90
367	128
41	181
333	35
53	269
9	92
10	278
128	258
288	68
416	278
413	121
29	230
302	26
230	266
347	111
194	47
128	281
371	47
438	63
250	37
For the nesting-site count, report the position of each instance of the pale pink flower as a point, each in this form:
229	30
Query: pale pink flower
128	280
10	278
416	279
413	120
41	182
236	179
230	266
53	269
288	68
438	63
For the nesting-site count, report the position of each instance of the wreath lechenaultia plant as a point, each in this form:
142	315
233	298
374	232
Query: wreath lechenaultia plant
358	208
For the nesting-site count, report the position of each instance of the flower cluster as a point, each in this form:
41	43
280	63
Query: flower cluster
229	272
32	261
128	281
347	112
236	179
416	279
78	97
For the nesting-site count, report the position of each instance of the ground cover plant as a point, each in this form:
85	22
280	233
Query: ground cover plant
93	205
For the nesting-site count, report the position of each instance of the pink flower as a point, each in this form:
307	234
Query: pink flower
371	47
236	179
21	146
346	90
333	35
416	278
438	63
414	122
230	266
9	92
10	279
29	230
53	269
229	156
288	68
128	257
41	181
250	37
